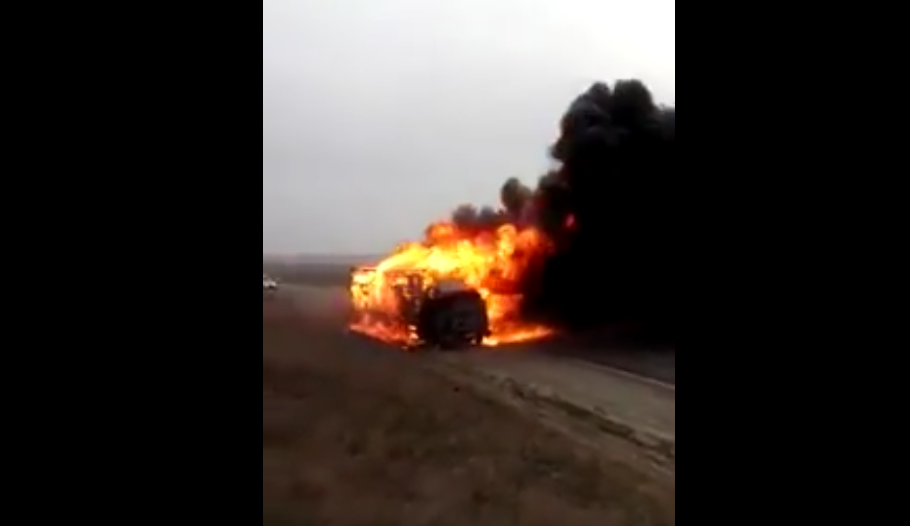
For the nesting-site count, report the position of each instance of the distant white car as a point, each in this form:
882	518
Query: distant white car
269	283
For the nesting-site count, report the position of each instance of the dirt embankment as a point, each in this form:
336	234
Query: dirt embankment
353	437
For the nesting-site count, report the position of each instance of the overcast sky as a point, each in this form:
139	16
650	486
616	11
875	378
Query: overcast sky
380	116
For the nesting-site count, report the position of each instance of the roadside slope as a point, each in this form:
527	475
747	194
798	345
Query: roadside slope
589	402
376	438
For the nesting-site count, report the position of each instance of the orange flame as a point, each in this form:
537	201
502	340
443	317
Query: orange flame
492	262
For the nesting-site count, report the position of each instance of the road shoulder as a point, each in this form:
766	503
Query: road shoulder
592	404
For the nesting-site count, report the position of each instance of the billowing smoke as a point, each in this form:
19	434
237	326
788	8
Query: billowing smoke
608	209
515	198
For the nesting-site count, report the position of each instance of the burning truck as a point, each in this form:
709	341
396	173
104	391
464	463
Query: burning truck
455	288
417	309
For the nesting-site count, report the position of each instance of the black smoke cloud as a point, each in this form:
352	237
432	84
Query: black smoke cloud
515	199
615	159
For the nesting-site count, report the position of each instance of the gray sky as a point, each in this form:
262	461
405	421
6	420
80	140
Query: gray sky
381	116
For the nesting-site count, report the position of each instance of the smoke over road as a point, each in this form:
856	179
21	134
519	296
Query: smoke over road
607	211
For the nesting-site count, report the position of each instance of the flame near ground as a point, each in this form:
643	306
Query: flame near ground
490	261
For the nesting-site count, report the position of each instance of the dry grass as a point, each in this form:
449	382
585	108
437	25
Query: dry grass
352	437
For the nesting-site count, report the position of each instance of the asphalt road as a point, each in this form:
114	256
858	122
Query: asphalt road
653	364
329	304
